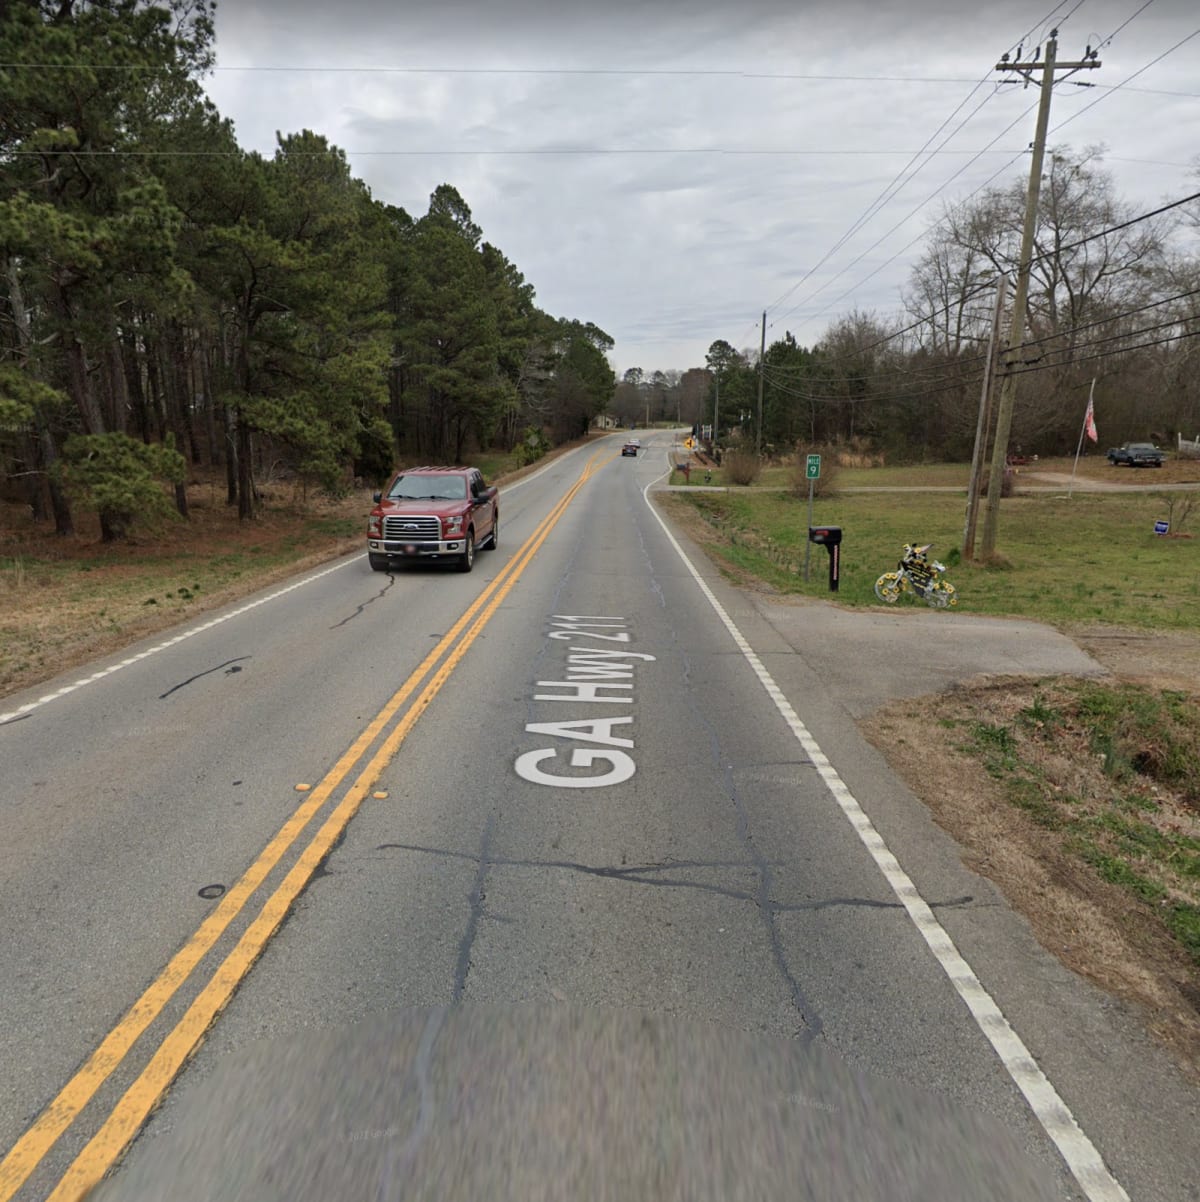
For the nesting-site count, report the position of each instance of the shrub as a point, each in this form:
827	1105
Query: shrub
741	467
825	485
533	445
1006	484
122	478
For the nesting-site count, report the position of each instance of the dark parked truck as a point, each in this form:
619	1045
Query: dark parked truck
433	513
1136	454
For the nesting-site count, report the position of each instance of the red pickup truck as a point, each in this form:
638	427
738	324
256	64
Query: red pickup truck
433	513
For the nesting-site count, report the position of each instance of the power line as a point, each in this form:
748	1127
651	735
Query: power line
957	386
887	398
620	72
891	190
1021	371
1128	20
907	217
912	242
1117	87
1116	317
1082	346
466	151
899	182
931	370
896	183
973	292
698	72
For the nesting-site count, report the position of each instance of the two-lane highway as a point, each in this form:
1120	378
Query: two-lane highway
581	777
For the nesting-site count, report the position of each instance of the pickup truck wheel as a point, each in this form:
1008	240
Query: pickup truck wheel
494	541
379	563
466	561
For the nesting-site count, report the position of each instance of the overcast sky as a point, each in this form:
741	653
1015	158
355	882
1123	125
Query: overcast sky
668	170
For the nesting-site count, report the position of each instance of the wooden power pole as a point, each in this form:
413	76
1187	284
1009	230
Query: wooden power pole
983	425
1016	337
762	354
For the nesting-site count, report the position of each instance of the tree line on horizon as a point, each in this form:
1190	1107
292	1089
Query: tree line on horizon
171	300
1114	301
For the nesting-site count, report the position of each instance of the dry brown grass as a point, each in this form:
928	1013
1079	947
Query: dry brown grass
741	467
1094	926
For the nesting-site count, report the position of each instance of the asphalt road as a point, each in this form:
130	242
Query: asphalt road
594	891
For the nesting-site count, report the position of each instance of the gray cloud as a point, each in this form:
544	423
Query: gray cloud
687	239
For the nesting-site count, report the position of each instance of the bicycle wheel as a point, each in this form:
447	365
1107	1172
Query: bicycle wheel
887	587
942	595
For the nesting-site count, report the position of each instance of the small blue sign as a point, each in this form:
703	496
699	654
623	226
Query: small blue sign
1161	527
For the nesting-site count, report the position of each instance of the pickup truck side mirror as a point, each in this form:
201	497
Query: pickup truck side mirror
377	497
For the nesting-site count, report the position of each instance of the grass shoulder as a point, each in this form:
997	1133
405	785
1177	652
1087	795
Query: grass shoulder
1080	799
1091	558
64	602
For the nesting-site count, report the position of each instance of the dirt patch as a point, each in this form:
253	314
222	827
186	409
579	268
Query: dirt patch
1168	659
1096	928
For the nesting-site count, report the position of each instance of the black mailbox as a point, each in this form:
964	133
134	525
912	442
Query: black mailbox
829	537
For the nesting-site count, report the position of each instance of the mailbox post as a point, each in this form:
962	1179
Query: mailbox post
829	537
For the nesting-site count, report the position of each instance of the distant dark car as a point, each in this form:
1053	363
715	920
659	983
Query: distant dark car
1136	454
631	447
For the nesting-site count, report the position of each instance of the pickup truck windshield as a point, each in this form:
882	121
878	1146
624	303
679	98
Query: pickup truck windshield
428	488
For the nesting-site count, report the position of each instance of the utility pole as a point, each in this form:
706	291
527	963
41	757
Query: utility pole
1024	267
717	411
983	425
762	353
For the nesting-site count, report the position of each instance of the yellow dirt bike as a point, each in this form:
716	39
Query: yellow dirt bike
915	573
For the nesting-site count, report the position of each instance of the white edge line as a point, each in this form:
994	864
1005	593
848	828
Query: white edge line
29	707
1081	1156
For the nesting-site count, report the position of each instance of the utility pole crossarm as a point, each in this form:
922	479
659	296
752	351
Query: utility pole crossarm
1023	67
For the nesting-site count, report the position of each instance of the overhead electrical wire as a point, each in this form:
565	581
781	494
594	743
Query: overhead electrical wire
919	237
905	219
658	151
1117	87
983	287
899	181
1021	371
958	385
889	191
973	378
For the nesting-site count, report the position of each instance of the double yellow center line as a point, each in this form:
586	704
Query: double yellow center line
119	1129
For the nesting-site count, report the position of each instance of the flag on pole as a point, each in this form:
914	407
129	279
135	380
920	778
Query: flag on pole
1089	419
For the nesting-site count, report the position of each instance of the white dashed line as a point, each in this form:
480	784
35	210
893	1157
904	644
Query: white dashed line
1084	1161
28	708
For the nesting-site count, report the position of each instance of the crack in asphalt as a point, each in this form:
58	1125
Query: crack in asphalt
635	874
20	718
812	1021
369	601
207	672
475	899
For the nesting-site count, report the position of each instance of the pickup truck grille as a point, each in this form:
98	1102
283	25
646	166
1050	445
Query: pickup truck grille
407	528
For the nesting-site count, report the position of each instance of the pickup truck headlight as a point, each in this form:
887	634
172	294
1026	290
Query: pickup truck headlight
452	525
374	527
